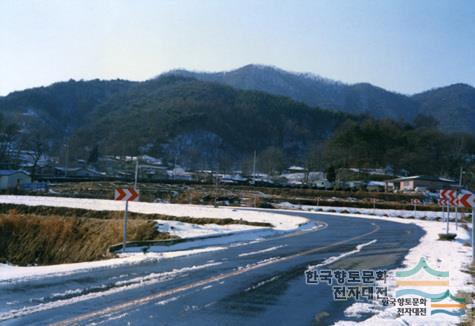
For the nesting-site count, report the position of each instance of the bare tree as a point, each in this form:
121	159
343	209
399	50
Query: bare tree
34	147
8	135
271	160
36	153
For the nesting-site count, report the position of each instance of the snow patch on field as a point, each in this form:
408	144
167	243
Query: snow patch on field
190	230
279	221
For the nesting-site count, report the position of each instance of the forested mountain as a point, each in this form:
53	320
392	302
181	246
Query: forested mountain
56	111
203	124
209	125
452	106
420	148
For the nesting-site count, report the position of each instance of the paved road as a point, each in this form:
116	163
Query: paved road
252	284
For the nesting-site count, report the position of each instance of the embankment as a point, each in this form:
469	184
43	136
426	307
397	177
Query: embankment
54	239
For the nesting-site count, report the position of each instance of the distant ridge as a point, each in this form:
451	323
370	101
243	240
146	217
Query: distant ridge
452	106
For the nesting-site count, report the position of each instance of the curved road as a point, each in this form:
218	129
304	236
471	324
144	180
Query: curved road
252	284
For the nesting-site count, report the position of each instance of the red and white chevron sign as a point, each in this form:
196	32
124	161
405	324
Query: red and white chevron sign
467	200
443	202
126	194
449	196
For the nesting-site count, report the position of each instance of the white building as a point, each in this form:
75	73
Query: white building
179	173
11	179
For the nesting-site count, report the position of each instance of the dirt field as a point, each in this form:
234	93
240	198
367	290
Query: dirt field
237	195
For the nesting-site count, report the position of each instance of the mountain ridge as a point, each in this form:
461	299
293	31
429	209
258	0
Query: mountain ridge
211	125
357	98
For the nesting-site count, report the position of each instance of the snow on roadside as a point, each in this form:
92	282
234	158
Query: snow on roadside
279	222
228	240
453	256
10	273
427	215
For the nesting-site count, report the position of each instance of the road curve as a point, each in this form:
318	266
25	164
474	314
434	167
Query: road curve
252	284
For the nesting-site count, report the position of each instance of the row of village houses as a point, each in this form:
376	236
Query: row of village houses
153	169
293	177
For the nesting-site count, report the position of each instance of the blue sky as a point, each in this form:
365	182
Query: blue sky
405	46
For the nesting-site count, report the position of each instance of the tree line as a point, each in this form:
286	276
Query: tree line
418	148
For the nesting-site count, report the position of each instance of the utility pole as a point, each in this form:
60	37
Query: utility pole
174	168
254	177
254	169
216	190
136	172
66	159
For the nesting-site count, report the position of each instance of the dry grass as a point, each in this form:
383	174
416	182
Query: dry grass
35	239
85	213
51	235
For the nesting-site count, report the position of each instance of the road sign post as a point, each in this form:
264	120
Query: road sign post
136	172
415	202
450	198
456	216
448	216
126	194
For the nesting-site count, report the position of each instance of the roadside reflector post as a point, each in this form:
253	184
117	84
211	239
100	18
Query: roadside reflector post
126	217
